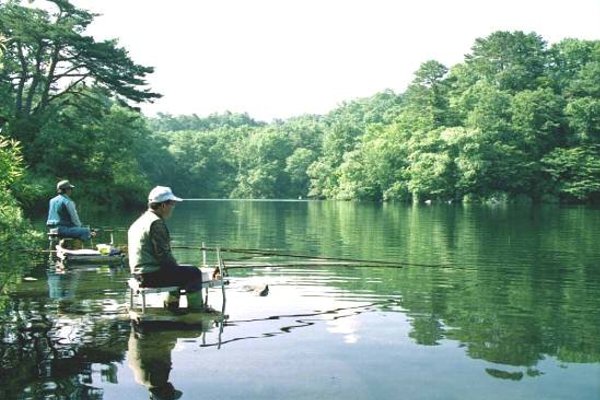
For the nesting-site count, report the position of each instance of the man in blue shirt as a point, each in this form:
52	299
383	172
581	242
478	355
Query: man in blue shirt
62	214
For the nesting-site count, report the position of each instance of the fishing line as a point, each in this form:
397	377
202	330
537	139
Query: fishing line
278	253
350	262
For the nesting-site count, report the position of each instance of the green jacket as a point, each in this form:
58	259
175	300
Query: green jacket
149	244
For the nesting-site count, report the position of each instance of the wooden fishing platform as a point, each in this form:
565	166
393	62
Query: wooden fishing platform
68	256
88	256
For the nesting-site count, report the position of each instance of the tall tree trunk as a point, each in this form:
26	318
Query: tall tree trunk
37	75
49	79
22	81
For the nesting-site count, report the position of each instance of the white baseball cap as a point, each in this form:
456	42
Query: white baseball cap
65	184
161	194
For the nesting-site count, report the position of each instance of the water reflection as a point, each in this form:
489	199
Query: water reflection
516	306
149	352
62	284
51	356
61	336
339	320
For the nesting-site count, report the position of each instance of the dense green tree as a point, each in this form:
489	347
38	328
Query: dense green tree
382	107
14	229
575	172
353	181
537	120
565	61
263	161
344	128
511	61
586	82
583	118
168	123
431	170
339	138
305	131
514	119
426	99
154	158
93	148
488	110
11	164
49	62
296	166
233	155
385	153
488	128
203	164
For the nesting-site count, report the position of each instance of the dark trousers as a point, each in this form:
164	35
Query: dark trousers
187	277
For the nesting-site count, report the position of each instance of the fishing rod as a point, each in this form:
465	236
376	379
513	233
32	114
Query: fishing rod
109	229
309	264
267	252
342	261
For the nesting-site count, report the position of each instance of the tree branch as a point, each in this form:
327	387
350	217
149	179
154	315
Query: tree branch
50	77
67	90
67	73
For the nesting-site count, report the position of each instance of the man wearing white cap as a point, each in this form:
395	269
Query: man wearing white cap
62	214
150	258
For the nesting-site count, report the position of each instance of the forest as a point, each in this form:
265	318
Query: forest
518	120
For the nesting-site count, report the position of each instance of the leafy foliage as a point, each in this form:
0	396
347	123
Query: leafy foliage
507	124
48	63
575	172
15	232
516	120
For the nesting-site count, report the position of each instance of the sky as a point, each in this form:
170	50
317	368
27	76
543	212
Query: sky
275	59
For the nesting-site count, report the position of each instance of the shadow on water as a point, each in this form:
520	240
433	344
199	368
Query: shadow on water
303	320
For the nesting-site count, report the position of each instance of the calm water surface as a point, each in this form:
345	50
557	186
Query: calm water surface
485	303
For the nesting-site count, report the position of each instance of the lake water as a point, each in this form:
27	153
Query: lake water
483	303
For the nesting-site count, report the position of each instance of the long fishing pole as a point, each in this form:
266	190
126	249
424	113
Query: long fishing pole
309	264
100	229
267	252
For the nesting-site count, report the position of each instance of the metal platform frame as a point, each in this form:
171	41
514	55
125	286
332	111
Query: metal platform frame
135	290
